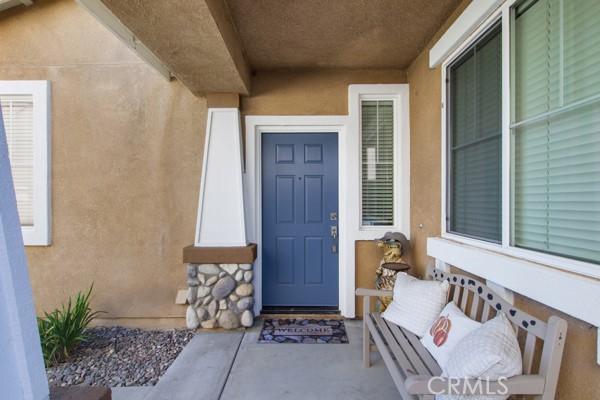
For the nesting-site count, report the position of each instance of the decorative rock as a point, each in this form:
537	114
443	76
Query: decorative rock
209	324
245	303
233	297
245	289
209	269
223	287
201	278
206	300
191	319
193	282
248	276
192	295
218	315
192	271
203	291
230	268
232	305
201	313
210	281
222	274
246	267
222	304
239	275
212	308
228	320
247	319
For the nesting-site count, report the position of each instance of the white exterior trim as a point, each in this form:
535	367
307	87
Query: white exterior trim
221	215
255	126
40	233
576	295
399	93
475	13
348	130
570	265
22	371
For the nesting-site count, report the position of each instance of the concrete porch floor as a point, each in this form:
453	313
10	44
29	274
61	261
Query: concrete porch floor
233	366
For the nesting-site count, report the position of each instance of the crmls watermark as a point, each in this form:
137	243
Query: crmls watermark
442	385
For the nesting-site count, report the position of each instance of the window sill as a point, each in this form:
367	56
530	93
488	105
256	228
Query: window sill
33	236
571	293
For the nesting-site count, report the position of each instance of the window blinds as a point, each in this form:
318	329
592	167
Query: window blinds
377	148
475	131
17	112
556	128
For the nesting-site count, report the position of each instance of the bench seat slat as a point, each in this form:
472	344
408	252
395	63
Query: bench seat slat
389	361
408	348
397	351
424	354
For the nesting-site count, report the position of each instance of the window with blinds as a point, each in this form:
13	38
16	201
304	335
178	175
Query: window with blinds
474	137
17	113
377	162
555	128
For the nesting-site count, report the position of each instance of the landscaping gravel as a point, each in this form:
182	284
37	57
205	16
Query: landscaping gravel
117	356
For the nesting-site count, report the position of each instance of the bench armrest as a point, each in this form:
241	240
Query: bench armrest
521	384
373	292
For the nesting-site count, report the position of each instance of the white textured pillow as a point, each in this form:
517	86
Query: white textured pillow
446	331
416	303
490	352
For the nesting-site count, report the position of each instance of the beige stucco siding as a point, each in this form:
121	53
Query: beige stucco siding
311	91
126	160
580	375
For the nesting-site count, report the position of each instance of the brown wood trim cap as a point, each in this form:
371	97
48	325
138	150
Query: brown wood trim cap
219	255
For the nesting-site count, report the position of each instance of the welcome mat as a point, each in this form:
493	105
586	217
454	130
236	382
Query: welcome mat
307	331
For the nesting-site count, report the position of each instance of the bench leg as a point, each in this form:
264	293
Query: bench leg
366	334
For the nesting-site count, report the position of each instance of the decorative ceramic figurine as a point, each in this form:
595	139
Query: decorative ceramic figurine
394	245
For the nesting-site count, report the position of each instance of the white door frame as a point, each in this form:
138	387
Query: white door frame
255	127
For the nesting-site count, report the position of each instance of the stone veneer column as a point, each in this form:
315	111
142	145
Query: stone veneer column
220	295
219	265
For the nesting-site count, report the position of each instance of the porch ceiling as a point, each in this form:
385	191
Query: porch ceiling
337	33
195	39
212	45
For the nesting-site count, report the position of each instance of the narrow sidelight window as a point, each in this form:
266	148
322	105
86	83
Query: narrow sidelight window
474	100
377	162
555	128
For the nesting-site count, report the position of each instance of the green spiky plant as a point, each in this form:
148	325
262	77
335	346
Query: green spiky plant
63	329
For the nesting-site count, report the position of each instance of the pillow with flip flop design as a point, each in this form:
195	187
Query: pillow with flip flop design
451	326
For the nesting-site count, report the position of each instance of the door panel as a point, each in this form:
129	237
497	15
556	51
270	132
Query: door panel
299	192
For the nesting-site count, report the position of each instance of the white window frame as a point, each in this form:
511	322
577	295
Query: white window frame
506	247
39	234
398	94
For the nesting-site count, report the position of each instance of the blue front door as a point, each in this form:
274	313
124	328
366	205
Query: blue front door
299	219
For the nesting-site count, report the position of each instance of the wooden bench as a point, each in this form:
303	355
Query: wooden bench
412	367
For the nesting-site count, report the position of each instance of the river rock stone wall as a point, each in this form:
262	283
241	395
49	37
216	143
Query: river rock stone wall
220	296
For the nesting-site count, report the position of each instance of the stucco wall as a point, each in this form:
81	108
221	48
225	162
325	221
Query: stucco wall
310	92
126	160
580	375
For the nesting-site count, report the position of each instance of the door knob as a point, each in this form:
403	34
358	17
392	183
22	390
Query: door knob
334	231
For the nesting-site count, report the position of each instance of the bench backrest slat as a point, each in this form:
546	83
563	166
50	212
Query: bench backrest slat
529	353
474	308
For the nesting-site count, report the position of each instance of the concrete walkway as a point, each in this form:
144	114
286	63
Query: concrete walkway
233	366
